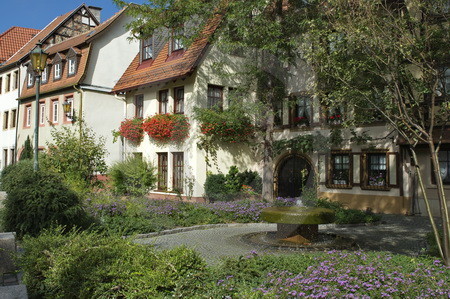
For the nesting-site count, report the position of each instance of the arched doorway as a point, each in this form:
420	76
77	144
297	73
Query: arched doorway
293	173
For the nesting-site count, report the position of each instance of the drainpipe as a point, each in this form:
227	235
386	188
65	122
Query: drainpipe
80	108
122	148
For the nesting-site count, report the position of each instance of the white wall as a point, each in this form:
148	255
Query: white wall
8	103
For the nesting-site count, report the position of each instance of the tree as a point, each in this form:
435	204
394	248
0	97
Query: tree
264	30
389	57
76	154
27	152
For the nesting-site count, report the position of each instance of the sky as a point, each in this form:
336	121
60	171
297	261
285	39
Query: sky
37	14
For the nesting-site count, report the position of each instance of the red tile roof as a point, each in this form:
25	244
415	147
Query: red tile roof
13	39
38	37
165	67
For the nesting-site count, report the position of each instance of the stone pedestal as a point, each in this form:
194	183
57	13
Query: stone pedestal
7	249
308	231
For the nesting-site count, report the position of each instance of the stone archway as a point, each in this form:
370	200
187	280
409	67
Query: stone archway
289	176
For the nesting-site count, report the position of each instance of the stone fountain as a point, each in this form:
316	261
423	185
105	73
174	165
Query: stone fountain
298	224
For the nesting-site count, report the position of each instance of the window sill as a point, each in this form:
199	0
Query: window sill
335	186
376	188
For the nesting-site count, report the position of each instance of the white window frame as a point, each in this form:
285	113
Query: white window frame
30	79
55	111
72	66
70	101
42	113
44	75
147	48
57	71
28	116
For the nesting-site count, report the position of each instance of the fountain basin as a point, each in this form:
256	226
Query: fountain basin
297	224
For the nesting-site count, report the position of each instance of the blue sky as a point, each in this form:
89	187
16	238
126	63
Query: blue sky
38	13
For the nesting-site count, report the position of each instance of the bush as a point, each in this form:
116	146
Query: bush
27	152
348	216
132	176
77	154
38	200
220	187
12	175
89	265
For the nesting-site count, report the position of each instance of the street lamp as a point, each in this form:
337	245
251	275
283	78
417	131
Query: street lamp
38	62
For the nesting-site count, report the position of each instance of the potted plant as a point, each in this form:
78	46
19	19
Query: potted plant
130	129
167	127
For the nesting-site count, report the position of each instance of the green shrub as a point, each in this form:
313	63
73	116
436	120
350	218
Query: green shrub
77	154
348	216
220	187
89	265
12	175
132	176
38	200
27	152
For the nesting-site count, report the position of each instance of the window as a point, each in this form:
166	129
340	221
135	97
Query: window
178	171
12	156
55	112
162	171
41	114
444	165
334	116
163	101
139	106
5	120
302	111
13	118
28	116
5	157
147	48
8	83
72	66
376	170
278	113
340	169
30	79
15	80
215	97
57	71
44	75
177	43
179	100
69	117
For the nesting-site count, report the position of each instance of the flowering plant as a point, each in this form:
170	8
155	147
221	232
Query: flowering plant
130	129
335	117
300	120
167	127
377	180
227	126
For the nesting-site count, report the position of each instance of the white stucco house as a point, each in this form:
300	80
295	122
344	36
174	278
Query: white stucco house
81	70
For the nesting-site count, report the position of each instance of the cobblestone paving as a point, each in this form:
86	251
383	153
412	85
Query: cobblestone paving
397	234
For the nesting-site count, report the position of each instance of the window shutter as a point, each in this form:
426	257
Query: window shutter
363	166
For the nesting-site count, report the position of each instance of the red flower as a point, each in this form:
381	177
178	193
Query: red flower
167	127
131	129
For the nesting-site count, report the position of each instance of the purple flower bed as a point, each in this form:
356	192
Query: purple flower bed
357	275
114	208
243	210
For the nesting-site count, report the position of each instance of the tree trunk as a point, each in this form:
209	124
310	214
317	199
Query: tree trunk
267	189
427	204
442	202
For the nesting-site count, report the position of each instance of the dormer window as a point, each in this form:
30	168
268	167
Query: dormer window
72	66
177	43
57	71
44	75
147	48
30	79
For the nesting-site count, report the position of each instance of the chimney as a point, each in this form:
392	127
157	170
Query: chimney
96	11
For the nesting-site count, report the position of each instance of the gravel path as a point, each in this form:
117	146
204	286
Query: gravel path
397	234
